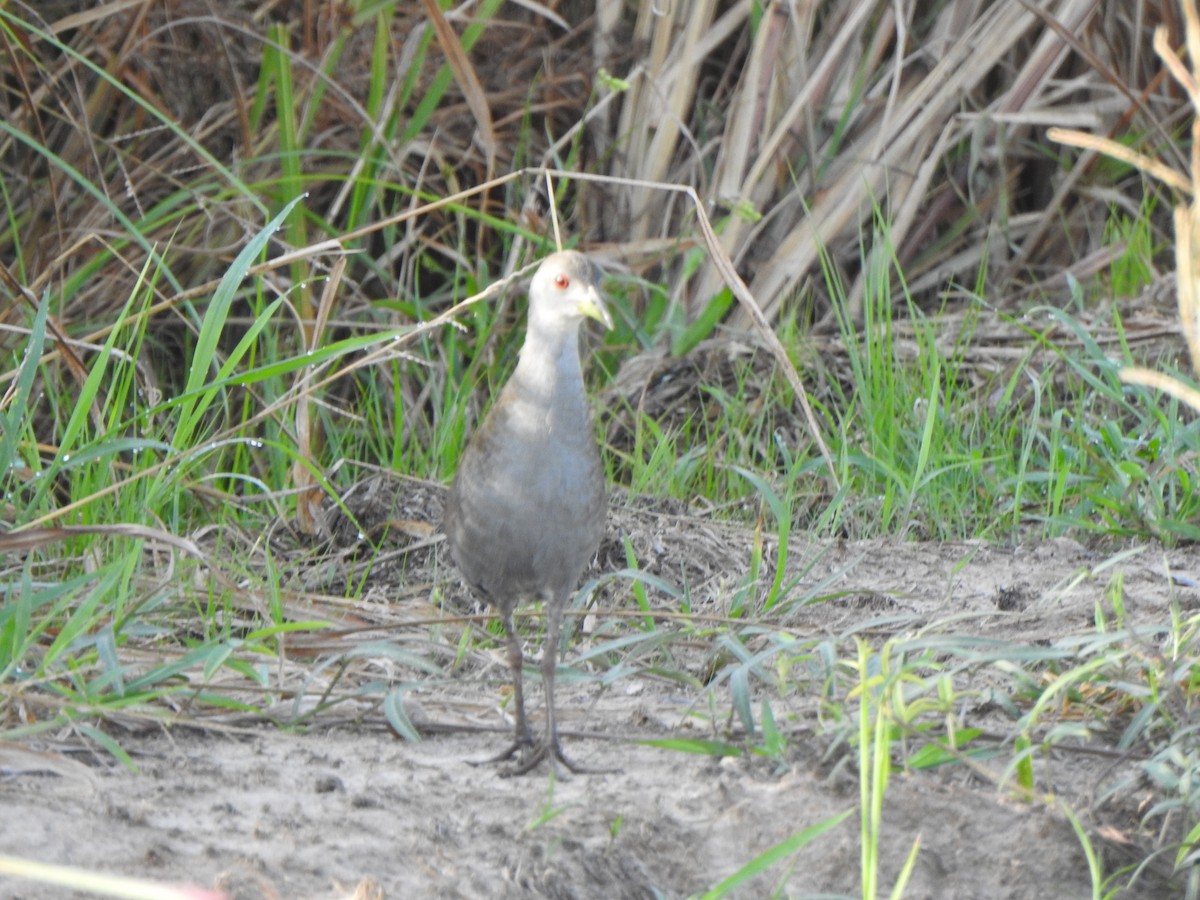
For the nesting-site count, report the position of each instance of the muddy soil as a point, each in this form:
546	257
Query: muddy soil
344	807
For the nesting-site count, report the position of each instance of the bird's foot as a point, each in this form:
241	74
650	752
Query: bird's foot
522	742
549	748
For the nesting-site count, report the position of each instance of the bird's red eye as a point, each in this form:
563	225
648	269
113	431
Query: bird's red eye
561	281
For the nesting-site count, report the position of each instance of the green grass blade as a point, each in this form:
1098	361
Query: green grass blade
785	848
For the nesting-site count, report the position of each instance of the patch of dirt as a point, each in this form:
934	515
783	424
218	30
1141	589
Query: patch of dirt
345	804
273	814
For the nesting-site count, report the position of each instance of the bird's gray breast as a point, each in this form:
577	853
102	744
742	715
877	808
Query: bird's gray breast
526	511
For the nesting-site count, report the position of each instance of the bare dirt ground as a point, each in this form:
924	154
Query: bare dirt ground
344	805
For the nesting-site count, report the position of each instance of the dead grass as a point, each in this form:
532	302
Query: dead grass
795	129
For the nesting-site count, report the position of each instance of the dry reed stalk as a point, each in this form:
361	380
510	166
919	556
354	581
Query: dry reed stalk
1187	216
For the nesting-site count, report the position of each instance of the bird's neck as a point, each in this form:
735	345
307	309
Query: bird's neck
549	363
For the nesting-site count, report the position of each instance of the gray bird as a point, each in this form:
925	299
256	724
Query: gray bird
526	511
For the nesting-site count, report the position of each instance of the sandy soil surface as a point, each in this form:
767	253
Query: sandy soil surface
343	804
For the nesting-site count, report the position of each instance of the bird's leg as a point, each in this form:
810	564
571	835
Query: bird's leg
549	746
522	736
516	664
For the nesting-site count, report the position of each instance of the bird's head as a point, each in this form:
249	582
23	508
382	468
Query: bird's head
566	288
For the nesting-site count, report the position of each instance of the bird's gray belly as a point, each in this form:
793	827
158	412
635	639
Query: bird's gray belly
523	527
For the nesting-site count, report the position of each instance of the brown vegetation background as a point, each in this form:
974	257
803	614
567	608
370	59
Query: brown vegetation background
862	130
